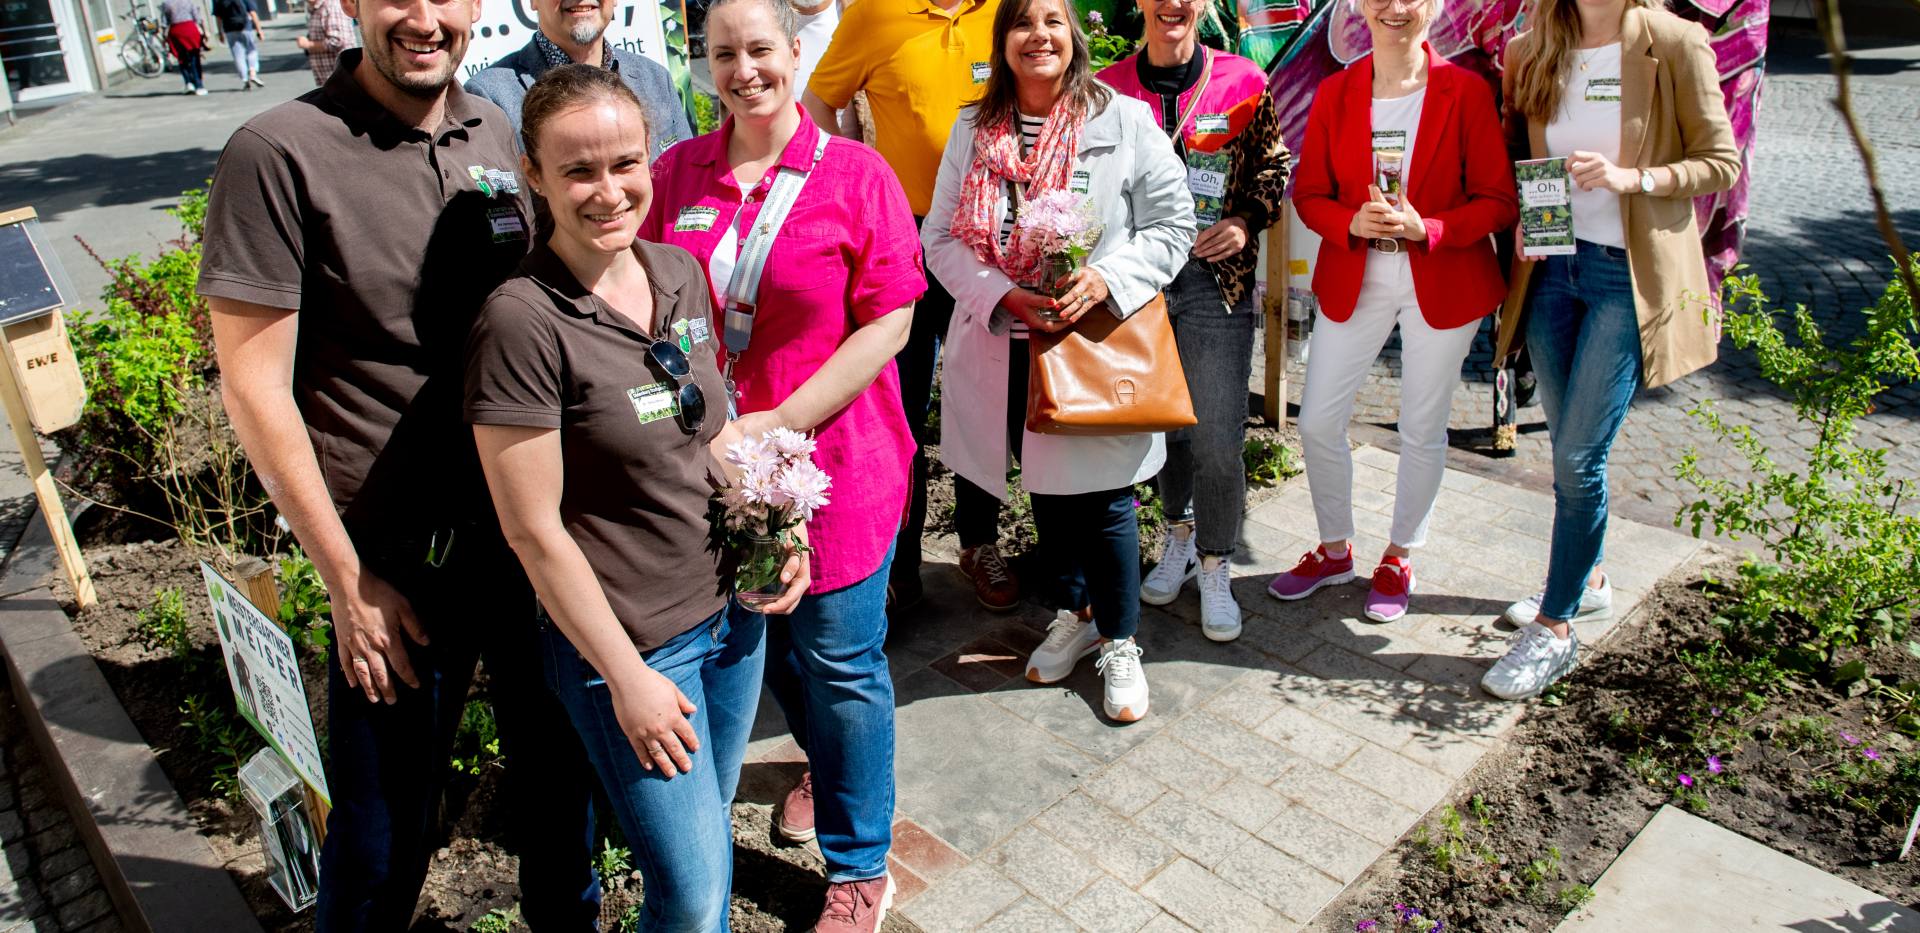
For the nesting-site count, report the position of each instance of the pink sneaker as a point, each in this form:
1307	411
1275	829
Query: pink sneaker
796	812
1314	571
1392	587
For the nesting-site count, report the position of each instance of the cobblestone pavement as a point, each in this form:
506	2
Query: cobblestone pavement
47	881
1270	772
1810	238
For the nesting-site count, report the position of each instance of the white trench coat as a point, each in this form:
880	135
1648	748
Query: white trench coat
1139	188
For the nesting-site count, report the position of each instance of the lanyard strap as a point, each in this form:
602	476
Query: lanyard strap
1199	88
743	288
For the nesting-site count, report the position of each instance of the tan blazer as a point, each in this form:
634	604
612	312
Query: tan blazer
1672	113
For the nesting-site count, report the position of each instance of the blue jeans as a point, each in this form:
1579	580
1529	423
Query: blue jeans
1205	479
1096	538
387	765
827	668
1583	333
246	54
679	829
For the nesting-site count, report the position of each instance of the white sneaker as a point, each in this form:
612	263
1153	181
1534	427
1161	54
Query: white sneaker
1179	562
1219	611
1125	697
1536	660
1595	605
200	92
1068	640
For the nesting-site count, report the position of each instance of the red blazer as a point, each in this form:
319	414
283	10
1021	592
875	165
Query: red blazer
1460	181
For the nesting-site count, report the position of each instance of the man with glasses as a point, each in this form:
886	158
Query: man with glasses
351	237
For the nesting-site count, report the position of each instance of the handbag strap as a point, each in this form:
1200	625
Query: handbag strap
1199	89
743	287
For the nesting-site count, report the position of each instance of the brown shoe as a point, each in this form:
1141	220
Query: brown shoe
856	906
796	812
993	581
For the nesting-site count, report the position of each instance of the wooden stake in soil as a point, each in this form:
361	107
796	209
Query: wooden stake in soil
43	382
1274	393
255	579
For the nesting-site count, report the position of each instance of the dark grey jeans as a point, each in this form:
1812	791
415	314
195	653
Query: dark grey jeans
1205	480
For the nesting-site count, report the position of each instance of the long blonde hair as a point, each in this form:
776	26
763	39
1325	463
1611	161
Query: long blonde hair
1539	78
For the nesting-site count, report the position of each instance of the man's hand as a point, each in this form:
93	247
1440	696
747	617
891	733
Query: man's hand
305	44
369	619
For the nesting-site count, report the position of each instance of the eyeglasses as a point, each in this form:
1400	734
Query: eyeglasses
693	402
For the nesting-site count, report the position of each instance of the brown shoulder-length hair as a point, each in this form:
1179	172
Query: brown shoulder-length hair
1000	101
1539	79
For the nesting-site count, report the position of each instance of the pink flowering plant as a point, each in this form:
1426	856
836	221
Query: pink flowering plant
1062	226
777	488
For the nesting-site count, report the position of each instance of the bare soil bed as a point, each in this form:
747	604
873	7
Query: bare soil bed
1569	780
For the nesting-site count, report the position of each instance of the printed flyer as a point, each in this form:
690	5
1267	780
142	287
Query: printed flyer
1546	207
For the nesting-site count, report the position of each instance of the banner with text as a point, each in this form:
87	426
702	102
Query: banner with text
264	670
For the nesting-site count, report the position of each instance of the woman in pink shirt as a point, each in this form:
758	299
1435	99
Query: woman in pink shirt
833	306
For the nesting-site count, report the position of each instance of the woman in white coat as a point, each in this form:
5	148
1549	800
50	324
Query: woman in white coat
1045	125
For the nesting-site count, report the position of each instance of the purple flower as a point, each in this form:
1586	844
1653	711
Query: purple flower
1438	925
1136	503
1716	711
1686	780
1872	754
1364	925
1406	913
1094	17
1849	738
1713	764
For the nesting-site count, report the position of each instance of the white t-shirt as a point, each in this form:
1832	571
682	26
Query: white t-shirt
1030	128
816	32
1589	120
1396	123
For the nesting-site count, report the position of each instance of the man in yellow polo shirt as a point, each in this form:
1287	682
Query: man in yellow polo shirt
919	61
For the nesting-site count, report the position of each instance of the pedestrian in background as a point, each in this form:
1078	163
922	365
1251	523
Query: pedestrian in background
1404	175
329	32
1216	110
815	304
187	40
1629	95
1046	127
240	28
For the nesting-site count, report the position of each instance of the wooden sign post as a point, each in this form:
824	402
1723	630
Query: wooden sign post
40	384
1274	393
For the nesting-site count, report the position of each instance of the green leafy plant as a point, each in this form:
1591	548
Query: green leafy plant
221	734
1268	462
497	920
1844	558
706	113
164	626
305	609
476	744
1103	48
613	861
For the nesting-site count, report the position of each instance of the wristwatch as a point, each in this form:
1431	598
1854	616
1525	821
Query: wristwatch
1646	181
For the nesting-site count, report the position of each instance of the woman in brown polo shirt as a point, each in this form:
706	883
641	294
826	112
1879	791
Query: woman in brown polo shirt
594	394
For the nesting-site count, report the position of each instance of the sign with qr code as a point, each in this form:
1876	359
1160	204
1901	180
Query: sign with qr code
264	670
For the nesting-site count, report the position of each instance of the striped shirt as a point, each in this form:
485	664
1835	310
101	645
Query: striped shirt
1029	137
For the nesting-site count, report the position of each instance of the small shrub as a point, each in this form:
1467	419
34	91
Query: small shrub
613	861
706	113
1103	48
221	734
305	609
476	744
164	626
497	920
1268	462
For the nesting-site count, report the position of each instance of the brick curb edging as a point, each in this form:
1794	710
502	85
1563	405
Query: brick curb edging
160	873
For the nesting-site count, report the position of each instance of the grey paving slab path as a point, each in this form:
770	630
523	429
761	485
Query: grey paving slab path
1271	772
1685	873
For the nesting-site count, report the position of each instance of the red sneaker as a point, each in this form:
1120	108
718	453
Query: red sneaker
856	906
796	812
1392	589
1314	571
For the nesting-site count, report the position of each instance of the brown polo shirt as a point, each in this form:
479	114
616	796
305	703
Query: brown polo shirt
547	353
385	239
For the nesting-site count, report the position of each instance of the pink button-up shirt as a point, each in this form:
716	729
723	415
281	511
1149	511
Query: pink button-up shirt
847	254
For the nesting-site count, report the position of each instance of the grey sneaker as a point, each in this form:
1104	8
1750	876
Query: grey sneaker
1179	562
1595	605
1537	659
1124	681
1219	611
1068	640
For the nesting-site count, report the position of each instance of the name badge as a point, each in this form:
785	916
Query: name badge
1210	124
1603	89
653	402
691	331
506	223
981	71
1081	182
695	219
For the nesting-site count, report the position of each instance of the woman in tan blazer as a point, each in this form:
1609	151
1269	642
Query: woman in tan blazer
1629	95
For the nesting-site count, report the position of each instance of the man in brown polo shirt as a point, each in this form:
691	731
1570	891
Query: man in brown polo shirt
352	235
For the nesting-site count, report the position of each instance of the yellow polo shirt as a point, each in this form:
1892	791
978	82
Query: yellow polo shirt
919	64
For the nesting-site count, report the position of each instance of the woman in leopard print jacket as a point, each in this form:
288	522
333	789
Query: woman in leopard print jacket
1219	118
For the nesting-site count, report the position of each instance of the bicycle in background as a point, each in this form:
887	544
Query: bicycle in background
144	50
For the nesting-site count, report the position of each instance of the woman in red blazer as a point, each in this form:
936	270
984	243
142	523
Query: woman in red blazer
1404	175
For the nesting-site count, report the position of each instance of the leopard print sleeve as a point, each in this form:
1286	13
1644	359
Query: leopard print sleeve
1259	169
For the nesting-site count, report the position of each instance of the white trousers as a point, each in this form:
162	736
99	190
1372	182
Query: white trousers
1342	354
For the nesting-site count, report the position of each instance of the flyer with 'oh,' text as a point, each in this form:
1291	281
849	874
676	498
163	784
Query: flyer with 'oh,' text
1546	207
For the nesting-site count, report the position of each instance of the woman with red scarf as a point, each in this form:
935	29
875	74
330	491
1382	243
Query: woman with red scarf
185	39
1046	139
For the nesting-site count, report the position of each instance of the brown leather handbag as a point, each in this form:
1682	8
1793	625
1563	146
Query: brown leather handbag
1106	376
